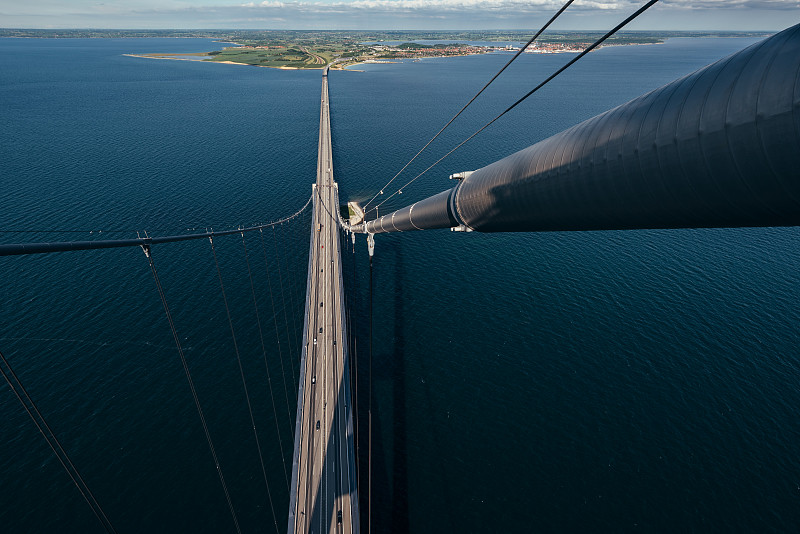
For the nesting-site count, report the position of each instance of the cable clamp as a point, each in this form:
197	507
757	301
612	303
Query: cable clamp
461	175
371	244
452	202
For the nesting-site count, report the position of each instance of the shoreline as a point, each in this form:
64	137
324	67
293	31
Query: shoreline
205	57
167	56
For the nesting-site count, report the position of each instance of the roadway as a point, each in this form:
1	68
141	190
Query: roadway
324	498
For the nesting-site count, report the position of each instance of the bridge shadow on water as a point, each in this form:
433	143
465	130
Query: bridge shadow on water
389	445
390	479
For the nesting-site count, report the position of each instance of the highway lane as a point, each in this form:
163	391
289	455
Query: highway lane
324	496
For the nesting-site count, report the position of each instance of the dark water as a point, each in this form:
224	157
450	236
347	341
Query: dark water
609	381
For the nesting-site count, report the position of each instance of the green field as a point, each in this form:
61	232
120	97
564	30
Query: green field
296	57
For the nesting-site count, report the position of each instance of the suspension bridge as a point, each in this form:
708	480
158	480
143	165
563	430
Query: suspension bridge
324	497
717	148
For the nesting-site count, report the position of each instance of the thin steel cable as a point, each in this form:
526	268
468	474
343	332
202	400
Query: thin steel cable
351	346
369	452
335	219
283	299
532	91
57	231
21	249
277	333
520	51
354	341
55	445
118	231
244	382
161	294
291	281
264	351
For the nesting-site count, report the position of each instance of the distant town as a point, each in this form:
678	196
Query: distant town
315	49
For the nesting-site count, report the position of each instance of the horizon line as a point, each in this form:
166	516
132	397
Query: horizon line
521	30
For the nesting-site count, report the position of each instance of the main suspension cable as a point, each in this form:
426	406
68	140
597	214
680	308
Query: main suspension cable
55	445
146	249
520	51
529	93
18	249
334	218
244	381
57	231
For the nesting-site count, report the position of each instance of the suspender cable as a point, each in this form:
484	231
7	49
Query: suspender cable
529	93
264	352
291	282
369	452
354	352
283	299
277	334
148	253
63	458
510	61
244	382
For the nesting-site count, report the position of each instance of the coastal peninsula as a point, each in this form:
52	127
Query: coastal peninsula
314	49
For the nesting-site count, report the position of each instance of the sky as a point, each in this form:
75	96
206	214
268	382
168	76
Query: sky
767	15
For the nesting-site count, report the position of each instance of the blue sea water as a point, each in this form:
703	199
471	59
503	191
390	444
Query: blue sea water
581	382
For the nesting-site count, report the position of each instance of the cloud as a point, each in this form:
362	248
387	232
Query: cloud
508	7
431	5
761	5
527	5
402	14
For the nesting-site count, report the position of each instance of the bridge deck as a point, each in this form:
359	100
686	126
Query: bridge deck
323	494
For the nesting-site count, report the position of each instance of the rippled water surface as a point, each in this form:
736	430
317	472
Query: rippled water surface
586	382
